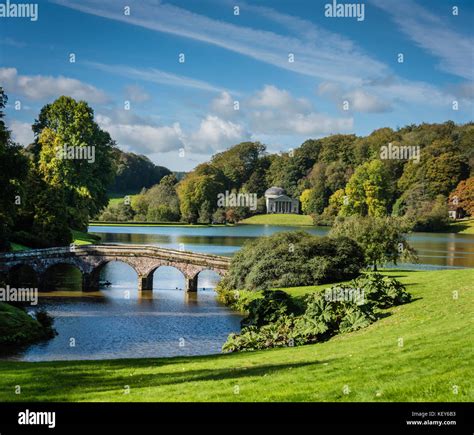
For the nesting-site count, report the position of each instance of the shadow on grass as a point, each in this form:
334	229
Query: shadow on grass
66	382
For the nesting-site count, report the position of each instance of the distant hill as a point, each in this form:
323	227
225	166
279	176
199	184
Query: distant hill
135	172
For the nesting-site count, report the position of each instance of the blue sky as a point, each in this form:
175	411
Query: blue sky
244	59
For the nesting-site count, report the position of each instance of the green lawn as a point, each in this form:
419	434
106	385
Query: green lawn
422	351
16	247
462	227
118	198
279	219
81	238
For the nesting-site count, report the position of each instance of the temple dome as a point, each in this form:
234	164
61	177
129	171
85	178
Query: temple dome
275	191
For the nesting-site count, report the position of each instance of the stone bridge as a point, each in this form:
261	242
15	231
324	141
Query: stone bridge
90	259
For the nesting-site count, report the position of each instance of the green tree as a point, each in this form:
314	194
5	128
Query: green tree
134	172
69	123
13	171
368	191
239	162
381	238
203	184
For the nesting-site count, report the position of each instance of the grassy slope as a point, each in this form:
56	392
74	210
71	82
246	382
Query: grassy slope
118	198
81	238
16	247
462	227
437	354
279	219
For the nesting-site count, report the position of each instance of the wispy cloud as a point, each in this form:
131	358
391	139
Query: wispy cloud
325	55
154	75
432	33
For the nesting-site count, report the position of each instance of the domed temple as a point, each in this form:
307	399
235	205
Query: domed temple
278	202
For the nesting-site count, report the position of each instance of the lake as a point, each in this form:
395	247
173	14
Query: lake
118	322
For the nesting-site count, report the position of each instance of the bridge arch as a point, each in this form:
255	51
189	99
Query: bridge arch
175	271
23	275
92	279
73	276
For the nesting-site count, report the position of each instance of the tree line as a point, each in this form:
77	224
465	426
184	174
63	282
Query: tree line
336	176
64	178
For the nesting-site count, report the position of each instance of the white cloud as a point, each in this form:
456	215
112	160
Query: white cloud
310	124
431	33
143	138
223	105
215	134
154	75
274	98
136	94
276	111
359	100
21	132
41	87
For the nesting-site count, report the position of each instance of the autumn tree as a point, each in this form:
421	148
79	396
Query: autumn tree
463	196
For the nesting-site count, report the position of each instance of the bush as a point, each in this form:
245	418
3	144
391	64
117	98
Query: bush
293	258
17	328
277	320
267	309
382	291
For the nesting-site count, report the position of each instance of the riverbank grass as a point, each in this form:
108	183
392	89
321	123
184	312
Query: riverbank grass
462	227
421	351
279	219
81	238
19	328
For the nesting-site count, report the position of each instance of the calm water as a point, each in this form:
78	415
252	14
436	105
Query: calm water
117	323
434	250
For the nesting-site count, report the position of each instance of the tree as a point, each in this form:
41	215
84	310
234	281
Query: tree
381	238
13	171
239	162
134	172
368	191
463	196
203	184
68	123
43	219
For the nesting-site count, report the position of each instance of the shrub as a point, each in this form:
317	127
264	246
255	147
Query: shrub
293	259
382	291
276	320
271	306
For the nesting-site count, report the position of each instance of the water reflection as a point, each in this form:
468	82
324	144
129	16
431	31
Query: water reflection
120	322
434	249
